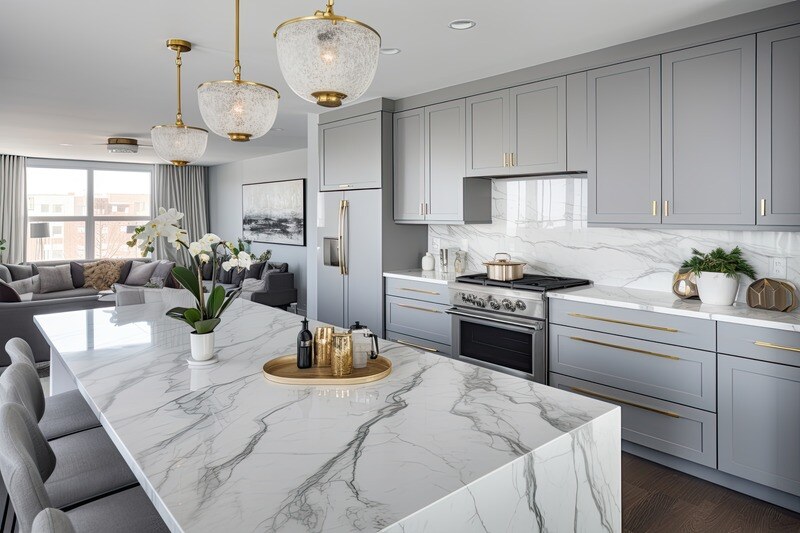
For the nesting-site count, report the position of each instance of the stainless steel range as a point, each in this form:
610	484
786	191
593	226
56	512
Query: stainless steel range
501	324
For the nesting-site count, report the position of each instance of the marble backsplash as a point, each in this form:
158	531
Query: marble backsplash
543	222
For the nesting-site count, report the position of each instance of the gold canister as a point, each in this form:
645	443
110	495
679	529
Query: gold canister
323	345
342	354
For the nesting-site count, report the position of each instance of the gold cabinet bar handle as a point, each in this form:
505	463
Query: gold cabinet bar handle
421	208
655	208
627	348
764	344
625	402
344	185
763	207
419	308
623	322
434	293
505	159
666	208
511	157
427	208
406	343
343	252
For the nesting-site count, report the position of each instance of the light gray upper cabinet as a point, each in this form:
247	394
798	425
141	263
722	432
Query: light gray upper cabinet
577	123
624	143
409	165
708	133
518	131
444	161
351	153
758	422
778	129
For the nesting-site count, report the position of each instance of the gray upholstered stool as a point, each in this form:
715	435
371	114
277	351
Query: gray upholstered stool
63	413
27	459
52	521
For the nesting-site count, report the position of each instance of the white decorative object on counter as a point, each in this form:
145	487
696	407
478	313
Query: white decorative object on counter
716	288
428	261
202	346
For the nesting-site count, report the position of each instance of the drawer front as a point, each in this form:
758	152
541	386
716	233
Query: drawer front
421	344
423	320
417	290
671	373
764	344
678	430
670	329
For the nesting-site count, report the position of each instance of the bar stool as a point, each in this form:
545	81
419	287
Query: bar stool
27	460
63	413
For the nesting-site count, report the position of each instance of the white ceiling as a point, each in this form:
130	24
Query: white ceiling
76	72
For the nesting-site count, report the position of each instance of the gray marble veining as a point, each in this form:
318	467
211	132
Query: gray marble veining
439	445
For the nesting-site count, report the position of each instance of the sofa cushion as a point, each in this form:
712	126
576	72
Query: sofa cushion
124	270
71	293
26	285
5	274
280	267
101	275
237	276
163	270
224	276
141	273
78	279
254	272
55	278
21	271
208	270
8	294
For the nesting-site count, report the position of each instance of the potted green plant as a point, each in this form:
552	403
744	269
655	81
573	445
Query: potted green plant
205	316
718	274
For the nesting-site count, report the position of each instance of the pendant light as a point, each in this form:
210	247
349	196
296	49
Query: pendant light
178	143
241	110
326	58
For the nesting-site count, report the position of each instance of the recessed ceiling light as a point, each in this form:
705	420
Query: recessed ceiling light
65	144
390	51
462	24
276	130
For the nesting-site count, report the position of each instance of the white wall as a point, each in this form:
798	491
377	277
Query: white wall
225	205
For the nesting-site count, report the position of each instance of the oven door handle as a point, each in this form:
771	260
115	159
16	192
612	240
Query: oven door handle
536	326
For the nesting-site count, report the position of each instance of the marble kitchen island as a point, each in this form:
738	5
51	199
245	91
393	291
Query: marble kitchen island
437	446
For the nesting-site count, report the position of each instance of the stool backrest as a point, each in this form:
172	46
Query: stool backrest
20	351
20	384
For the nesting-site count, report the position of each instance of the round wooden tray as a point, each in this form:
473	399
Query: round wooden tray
284	370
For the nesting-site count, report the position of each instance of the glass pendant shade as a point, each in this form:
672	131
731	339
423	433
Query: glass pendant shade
179	144
239	110
327	58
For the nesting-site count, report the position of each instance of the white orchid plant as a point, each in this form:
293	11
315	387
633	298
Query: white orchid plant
205	316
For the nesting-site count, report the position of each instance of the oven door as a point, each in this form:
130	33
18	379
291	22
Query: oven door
505	344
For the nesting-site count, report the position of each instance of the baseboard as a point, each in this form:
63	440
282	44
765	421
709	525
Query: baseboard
762	492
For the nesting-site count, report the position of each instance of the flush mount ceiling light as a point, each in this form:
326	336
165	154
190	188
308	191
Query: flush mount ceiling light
237	109
326	58
390	51
178	143
120	145
462	24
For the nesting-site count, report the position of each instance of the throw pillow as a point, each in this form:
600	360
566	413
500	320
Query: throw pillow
26	285
280	267
124	271
255	269
5	274
250	285
208	270
8	294
19	272
224	276
101	275
55	278
163	270
141	273
76	269
237	276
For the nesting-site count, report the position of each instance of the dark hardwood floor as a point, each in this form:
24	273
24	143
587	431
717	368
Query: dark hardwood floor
658	499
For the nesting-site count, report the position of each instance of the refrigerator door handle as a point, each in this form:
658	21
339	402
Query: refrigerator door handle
343	246
341	237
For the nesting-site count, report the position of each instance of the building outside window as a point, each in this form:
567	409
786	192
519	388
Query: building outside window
89	208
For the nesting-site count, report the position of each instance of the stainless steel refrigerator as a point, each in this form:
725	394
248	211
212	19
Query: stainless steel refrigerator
357	240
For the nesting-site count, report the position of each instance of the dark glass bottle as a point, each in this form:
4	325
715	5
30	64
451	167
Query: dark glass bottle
304	346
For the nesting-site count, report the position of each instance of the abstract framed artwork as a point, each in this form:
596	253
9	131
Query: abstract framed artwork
275	212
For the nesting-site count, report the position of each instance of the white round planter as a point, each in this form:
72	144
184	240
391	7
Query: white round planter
202	346
715	288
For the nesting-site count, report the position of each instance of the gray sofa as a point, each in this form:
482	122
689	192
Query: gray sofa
279	290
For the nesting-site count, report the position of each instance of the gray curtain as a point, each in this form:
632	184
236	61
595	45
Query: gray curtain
185	189
12	207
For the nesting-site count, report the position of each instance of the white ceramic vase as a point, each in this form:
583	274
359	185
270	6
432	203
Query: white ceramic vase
428	262
715	288
202	346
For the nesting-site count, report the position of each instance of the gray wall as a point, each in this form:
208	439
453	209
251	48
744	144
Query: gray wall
225	205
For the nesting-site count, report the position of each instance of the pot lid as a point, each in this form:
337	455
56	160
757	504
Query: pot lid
503	262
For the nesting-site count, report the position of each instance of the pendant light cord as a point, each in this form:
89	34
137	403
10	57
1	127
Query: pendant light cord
178	63
237	67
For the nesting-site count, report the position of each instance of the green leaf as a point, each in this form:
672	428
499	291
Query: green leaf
189	281
215	301
718	260
231	297
206	326
192	315
177	312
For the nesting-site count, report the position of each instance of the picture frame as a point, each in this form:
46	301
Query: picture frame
274	212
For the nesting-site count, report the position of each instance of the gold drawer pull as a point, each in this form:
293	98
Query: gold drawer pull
624	402
432	350
776	346
620	347
763	207
433	293
419	308
623	322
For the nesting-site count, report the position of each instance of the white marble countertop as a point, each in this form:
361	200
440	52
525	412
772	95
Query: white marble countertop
668	303
437	444
430	276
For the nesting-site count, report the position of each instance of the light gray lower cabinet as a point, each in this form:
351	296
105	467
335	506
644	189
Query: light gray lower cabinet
778	129
624	143
415	314
759	424
352	151
409	165
708	133
538	120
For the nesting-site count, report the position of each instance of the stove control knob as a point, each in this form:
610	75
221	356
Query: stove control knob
481	302
507	304
495	304
521	305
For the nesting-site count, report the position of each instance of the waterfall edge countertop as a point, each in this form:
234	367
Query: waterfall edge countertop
438	445
668	303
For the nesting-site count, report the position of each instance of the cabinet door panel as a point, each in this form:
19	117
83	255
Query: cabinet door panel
364	282
409	165
577	123
351	153
625	143
779	127
330	288
538	115
444	160
759	429
709	133
487	134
